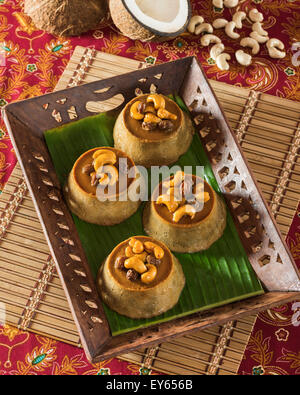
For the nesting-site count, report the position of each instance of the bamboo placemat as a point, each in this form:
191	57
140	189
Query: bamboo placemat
269	131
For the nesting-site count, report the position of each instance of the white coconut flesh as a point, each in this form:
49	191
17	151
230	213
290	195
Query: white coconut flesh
164	17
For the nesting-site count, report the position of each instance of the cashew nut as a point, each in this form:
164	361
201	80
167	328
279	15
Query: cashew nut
251	43
151	118
218	3
229	30
138	247
195	20
276	48
168	201
187	209
216	50
132	241
104	157
243	58
204	28
165	114
238	18
108	175
219	23
257	27
276	43
150	275
158	100
134	113
159	253
136	264
231	3
208	39
260	39
202	196
128	252
221	61
176	180
256	16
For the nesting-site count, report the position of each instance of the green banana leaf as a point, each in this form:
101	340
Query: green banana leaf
215	277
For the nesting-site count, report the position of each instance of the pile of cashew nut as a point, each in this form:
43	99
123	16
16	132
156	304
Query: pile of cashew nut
257	37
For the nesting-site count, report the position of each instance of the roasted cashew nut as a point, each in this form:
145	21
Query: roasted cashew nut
243	58
204	28
257	37
159	253
251	43
229	30
134	113
219	23
256	16
108	175
135	264
276	48
138	247
218	3
238	18
195	20
231	3
187	209
151	118
222	61
208	39
162	113
149	275
257	27
175	181
168	201
216	50
157	100
104	157
202	196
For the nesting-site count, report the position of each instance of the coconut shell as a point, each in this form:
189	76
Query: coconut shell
127	24
66	17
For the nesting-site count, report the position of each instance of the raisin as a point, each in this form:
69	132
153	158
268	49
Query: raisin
151	260
119	264
141	108
149	126
166	125
132	275
196	204
88	169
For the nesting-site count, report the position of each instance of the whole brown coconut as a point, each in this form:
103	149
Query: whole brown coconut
66	17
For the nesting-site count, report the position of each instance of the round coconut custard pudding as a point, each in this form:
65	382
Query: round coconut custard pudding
153	130
185	213
141	278
98	186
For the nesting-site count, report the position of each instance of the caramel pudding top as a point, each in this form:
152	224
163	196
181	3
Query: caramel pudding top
140	263
152	117
102	167
184	199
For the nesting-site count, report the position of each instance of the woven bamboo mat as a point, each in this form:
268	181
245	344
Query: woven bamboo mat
269	131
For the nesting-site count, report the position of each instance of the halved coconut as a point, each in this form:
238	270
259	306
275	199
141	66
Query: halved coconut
147	20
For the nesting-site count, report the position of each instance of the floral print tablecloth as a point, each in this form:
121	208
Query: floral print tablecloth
31	62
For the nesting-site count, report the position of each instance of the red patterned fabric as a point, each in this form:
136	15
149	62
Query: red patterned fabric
31	62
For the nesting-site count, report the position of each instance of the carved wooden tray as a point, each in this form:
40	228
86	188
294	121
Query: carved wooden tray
27	121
